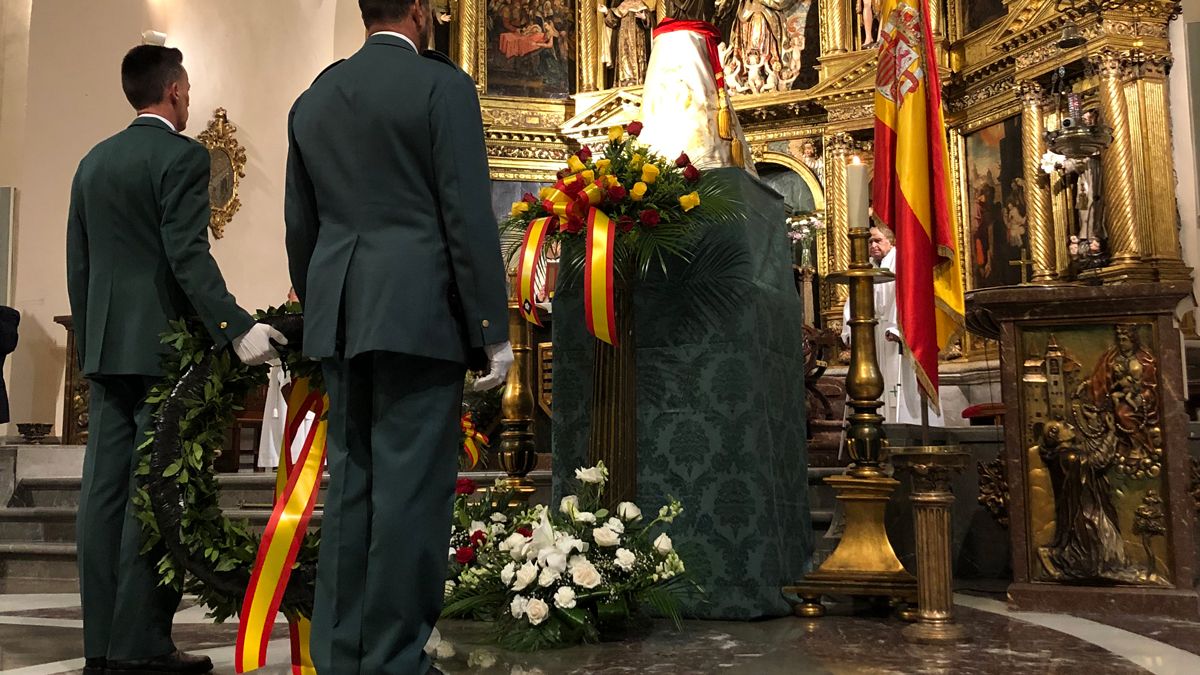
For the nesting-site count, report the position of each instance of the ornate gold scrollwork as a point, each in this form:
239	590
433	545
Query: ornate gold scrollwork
228	168
545	375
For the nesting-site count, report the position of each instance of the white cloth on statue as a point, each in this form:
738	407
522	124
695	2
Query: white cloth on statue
894	363
275	423
680	104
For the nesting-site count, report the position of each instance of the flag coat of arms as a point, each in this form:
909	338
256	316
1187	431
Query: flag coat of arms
911	189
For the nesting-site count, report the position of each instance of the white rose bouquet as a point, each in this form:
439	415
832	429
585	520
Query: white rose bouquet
566	575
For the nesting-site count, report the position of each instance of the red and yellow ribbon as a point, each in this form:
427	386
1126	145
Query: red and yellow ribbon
473	441
296	491
574	197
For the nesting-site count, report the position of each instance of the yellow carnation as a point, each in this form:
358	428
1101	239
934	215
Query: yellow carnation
638	192
589	176
603	165
611	181
649	174
575	164
690	201
519	208
616	133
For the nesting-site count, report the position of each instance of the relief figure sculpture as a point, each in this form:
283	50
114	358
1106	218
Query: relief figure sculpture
1125	385
630	23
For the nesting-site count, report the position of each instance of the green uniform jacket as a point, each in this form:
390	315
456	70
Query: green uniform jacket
138	253
391	240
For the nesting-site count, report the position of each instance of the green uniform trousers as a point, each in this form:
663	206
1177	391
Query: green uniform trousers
393	445
126	614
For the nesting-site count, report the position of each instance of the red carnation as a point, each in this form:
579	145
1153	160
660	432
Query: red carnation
584	154
478	537
464	555
465	486
625	223
617	192
525	531
691	174
634	128
650	217
574	225
683	160
529	198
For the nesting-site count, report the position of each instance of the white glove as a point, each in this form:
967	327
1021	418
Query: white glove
254	346
500	356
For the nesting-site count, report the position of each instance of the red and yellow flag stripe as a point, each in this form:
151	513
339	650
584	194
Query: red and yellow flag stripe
297	487
912	188
598	304
527	267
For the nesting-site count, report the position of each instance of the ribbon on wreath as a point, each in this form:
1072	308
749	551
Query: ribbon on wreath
573	201
473	441
296	487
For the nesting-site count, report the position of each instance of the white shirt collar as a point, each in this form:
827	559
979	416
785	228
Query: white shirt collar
160	117
399	35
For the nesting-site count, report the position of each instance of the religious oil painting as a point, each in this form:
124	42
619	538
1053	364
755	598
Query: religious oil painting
1090	400
531	48
770	45
998	237
980	13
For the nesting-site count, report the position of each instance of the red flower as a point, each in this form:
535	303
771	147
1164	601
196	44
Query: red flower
584	154
574	188
552	227
683	160
691	174
574	225
478	537
634	128
650	217
464	555
563	173
617	192
528	197
465	486
525	531
625	223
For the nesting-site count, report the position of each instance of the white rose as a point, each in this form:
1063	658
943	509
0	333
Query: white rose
564	598
555	560
499	518
506	574
585	517
585	574
517	608
547	577
605	536
628	511
569	505
626	559
525	576
615	525
537	611
663	544
595	474
515	545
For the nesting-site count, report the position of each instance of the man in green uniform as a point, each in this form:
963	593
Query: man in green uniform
395	255
137	258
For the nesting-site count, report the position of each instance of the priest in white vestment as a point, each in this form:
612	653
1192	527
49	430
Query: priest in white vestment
901	395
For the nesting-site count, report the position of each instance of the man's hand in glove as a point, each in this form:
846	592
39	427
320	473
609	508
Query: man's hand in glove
254	346
500	359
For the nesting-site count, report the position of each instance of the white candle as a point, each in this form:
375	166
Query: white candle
857	194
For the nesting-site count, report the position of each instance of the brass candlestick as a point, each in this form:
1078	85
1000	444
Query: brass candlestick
932	467
864	563
518	455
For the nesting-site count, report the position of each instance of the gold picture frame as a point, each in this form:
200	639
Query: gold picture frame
228	168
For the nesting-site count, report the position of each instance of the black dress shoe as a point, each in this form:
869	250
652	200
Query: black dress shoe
177	662
94	665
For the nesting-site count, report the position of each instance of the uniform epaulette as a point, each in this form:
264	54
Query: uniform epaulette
327	69
438	56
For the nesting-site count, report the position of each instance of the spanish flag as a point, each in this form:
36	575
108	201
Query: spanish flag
911	190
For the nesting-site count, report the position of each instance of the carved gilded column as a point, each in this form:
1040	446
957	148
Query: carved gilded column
588	67
837	27
1149	110
1042	242
1120	209
837	153
472	23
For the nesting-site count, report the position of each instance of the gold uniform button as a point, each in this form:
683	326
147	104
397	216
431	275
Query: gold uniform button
224	325
486	323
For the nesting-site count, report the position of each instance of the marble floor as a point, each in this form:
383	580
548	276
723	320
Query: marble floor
40	634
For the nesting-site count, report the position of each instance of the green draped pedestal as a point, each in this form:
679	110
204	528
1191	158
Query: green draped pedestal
720	407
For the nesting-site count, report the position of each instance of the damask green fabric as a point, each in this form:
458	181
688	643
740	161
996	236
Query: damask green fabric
720	409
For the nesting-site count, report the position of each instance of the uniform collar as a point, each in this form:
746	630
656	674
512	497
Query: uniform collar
387	37
152	120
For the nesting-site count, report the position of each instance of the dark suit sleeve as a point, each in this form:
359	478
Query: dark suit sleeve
464	195
299	214
77	267
185	208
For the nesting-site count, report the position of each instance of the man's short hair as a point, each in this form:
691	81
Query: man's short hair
885	231
384	11
147	71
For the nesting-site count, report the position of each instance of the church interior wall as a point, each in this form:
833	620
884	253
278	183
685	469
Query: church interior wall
251	58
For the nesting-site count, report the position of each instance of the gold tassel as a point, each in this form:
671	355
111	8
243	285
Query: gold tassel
724	117
739	154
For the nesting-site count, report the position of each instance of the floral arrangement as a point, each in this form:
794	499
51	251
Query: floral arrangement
553	578
802	232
